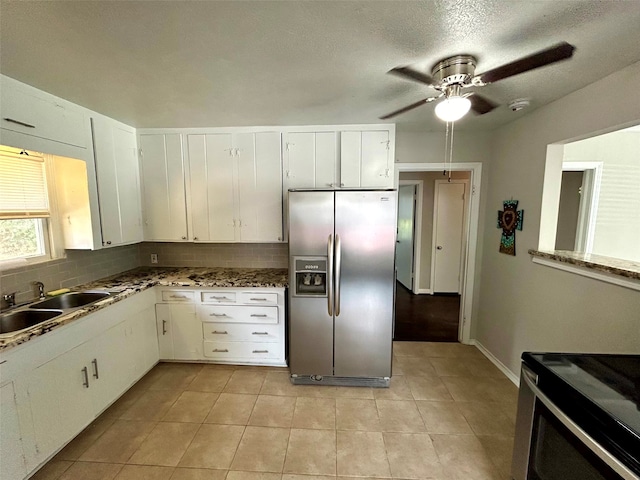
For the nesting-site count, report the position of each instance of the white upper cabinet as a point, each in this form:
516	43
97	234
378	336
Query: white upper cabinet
236	183
365	159
310	160
117	172
163	186
29	111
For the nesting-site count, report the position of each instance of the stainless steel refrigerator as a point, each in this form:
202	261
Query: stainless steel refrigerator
341	286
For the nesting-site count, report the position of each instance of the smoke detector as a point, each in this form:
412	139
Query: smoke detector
519	103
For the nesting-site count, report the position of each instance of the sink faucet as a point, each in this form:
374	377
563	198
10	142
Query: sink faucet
10	298
40	286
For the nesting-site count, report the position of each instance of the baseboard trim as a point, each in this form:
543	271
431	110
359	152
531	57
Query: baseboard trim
501	366
425	291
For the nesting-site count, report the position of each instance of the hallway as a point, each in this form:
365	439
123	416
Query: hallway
426	318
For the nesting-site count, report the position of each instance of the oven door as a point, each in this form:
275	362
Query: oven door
550	446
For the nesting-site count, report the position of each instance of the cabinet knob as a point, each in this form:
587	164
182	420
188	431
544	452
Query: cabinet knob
195	238
184	238
108	242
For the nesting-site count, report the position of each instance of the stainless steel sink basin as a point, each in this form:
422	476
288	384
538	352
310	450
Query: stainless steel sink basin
71	300
14	321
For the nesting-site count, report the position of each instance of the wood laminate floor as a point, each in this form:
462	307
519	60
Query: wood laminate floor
426	318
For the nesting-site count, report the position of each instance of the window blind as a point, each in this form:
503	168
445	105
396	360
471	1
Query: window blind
23	186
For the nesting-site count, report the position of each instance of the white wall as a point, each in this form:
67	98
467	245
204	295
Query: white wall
530	307
617	226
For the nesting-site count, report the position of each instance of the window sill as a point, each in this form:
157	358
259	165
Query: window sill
612	270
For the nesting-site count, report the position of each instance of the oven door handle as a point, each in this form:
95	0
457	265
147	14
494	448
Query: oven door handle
584	437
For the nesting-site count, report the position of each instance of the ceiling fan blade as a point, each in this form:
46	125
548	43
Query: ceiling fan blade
409	107
558	52
481	105
411	74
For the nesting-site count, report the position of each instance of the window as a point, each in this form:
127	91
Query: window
590	214
24	207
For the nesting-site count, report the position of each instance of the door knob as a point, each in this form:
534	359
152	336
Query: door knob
439	247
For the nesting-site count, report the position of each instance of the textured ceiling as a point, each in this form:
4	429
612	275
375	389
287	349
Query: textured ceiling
216	63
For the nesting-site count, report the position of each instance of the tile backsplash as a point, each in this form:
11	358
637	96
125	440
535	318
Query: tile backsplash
234	255
82	266
79	266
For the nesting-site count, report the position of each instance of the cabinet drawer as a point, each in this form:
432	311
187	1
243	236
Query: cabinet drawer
177	296
258	298
248	351
238	314
220	332
219	297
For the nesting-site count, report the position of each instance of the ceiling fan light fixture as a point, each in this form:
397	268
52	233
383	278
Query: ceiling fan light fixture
453	108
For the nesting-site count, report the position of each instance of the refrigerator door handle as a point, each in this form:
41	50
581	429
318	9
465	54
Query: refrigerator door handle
330	276
338	249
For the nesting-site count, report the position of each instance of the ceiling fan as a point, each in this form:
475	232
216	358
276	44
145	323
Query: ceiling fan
452	75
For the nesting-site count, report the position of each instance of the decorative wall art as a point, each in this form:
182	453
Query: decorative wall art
509	220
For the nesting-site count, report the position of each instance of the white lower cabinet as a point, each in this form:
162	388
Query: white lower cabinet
226	325
57	384
179	334
12	460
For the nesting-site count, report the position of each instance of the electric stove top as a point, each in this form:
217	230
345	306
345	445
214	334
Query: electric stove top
601	393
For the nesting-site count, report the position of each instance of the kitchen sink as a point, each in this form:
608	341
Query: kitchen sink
14	321
71	300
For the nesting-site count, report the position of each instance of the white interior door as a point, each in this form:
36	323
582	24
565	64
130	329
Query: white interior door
448	224
405	240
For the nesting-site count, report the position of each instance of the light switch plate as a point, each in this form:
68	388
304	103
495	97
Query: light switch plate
154	258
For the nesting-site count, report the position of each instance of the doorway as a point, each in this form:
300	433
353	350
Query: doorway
409	233
425	309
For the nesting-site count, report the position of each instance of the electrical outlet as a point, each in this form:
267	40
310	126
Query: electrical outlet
154	258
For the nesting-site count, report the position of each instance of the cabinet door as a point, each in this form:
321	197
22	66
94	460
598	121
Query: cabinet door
364	159
211	164
326	160
259	187
186	332
142	342
110	368
163	176
61	404
164	327
128	178
118	183
300	160
375	165
12	462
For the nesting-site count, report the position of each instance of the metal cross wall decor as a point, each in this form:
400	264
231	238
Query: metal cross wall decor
509	220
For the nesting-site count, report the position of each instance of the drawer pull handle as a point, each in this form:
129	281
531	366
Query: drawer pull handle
164	327
215	332
220	350
258	299
259	333
217	314
219	298
95	368
177	296
85	383
260	315
261	351
18	122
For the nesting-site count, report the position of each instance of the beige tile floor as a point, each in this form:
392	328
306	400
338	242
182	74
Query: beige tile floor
448	415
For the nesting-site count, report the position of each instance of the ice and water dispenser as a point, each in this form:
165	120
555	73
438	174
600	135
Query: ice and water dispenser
311	276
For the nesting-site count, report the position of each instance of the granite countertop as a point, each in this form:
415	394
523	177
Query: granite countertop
612	266
125	284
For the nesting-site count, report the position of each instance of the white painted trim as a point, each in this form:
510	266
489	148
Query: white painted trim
390	127
466	304
465	228
515	379
586	228
589	272
417	231
427	291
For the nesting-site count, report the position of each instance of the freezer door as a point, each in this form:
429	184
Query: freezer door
311	224
364	282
